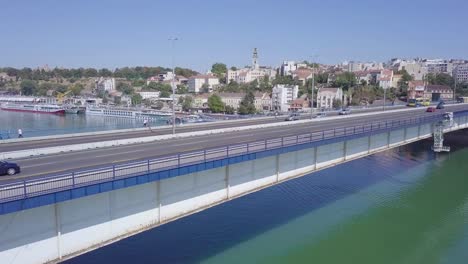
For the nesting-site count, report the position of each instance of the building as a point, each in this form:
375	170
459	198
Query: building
439	66
437	93
105	84
287	68
149	94
196	83
249	74
416	89
299	104
262	100
396	79
385	79
167	76
282	96
460	73
326	96
302	75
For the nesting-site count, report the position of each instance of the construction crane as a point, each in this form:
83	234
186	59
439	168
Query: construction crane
60	96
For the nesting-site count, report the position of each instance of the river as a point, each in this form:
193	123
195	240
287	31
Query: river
405	205
33	124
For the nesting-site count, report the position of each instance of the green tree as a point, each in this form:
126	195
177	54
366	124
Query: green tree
265	85
247	105
233	68
219	69
136	99
44	88
205	88
440	79
117	100
76	89
125	88
345	80
215	103
182	89
164	94
336	103
229	110
104	73
28	87
186	102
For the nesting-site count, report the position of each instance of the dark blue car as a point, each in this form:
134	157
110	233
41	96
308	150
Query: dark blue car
9	168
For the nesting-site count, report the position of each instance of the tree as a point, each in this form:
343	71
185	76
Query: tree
136	99
265	85
186	102
159	105
219	69
117	100
76	89
336	103
105	73
205	88
215	103
288	80
125	88
321	78
247	105
182	89
229	110
28	87
345	80
440	79
233	68
164	94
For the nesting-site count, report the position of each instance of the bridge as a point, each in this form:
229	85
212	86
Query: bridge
74	200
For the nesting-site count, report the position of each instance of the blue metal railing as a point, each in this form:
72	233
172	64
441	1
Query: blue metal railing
49	184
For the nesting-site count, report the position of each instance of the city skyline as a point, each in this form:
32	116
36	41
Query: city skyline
113	34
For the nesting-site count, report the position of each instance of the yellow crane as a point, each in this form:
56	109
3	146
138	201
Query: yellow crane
60	96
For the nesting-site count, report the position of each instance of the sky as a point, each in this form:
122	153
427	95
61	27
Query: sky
118	33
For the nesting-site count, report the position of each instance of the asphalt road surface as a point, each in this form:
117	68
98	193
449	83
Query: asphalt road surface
72	161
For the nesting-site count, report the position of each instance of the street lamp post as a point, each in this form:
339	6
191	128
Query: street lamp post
173	85
312	95
384	97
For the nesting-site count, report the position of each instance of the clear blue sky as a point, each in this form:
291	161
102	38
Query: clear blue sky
116	33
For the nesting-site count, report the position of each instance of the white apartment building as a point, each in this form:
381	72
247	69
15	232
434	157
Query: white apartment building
385	79
282	96
287	68
326	96
149	94
439	66
460	73
105	84
196	83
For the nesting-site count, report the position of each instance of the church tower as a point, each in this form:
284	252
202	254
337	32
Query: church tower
255	59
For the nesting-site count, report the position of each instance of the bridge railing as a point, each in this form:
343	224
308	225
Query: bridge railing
54	183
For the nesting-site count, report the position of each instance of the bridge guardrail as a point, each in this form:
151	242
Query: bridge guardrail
54	183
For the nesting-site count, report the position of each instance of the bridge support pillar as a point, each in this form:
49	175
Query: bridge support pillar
158	199
419	131
226	173
345	147
369	144
388	139
315	158
58	228
404	134
277	162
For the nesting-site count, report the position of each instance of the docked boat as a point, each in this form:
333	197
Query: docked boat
34	108
74	110
126	112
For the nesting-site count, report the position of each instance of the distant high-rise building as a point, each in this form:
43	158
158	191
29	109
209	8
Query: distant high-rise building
460	73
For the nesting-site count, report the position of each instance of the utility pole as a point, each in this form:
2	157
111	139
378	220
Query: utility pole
312	95
173	85
384	97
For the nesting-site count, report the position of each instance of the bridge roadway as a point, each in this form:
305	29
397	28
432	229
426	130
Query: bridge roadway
72	161
30	143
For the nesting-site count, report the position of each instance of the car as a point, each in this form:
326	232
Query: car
344	111
321	115
9	168
292	117
431	109
440	105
